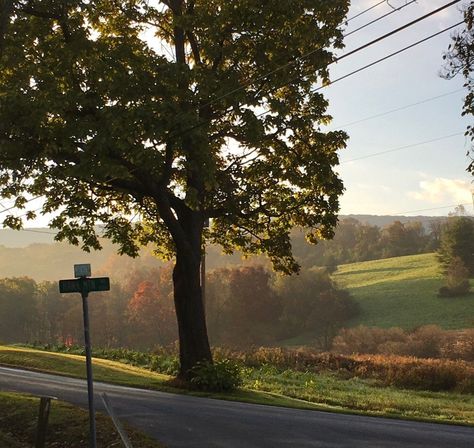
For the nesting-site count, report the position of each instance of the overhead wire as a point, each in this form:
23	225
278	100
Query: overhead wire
379	18
310	53
352	52
429	209
430	218
399	148
397	30
366	10
408	47
399	109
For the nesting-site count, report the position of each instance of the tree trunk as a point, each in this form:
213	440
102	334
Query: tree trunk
193	339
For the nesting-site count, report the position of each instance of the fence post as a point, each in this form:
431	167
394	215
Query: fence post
45	405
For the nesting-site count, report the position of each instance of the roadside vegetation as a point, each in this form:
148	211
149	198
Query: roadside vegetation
67	428
403	387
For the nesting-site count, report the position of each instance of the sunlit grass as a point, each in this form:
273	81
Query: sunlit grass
74	366
402	292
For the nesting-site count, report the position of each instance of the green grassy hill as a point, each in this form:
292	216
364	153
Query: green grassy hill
402	292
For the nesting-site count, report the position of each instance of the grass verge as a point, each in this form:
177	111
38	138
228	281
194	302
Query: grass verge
271	386
67	428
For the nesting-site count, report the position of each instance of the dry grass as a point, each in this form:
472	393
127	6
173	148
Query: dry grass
388	370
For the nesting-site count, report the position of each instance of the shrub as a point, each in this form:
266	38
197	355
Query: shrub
456	278
219	376
460	347
413	373
369	340
169	365
426	342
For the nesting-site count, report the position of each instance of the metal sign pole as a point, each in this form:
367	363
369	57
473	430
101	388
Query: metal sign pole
84	284
90	384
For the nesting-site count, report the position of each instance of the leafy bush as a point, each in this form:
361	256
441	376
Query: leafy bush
220	376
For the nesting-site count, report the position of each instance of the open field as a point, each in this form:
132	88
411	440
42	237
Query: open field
68	425
402	292
272	386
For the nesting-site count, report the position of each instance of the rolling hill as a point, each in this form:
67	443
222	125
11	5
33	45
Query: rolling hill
402	292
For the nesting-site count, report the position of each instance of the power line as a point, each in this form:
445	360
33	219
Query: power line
388	214
369	65
15	207
397	30
399	148
380	18
398	109
36	231
428	209
365	11
391	33
384	58
310	53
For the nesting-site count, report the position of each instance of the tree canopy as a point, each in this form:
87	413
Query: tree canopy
172	112
460	60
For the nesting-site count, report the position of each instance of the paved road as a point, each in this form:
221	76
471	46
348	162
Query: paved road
184	421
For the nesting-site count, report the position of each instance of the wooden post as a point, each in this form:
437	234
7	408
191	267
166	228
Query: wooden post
45	405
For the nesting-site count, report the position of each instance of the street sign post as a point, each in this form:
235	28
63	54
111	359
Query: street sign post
84	285
89	284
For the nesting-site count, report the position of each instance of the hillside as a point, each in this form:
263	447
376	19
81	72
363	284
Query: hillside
14	238
402	292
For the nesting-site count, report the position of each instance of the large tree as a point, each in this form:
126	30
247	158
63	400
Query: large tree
460	60
174	112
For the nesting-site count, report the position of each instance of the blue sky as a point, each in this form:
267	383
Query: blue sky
423	177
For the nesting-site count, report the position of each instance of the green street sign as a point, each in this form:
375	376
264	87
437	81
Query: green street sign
84	285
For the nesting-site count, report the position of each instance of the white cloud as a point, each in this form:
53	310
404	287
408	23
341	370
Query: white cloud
443	191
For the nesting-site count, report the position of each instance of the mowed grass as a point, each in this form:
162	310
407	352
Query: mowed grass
74	366
402	292
68	426
270	386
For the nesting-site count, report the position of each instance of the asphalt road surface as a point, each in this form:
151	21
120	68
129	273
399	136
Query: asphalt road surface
185	421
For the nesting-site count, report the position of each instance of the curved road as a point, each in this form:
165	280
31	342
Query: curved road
185	421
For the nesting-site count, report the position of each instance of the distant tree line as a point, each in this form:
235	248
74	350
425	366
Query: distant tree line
356	241
245	306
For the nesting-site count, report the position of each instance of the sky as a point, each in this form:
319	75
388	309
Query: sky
422	179
426	179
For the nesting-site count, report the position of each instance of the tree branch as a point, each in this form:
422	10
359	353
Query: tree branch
6	8
194	47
